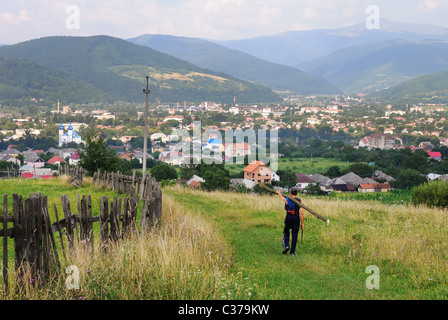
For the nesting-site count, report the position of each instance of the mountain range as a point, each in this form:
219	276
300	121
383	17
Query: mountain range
116	70
216	57
294	48
317	62
374	67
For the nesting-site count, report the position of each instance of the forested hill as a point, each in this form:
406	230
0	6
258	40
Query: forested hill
115	70
431	88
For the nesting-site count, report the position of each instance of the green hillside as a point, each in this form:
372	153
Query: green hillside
376	67
118	68
429	88
210	55
26	80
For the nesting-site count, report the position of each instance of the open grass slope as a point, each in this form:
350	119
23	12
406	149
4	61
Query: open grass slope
222	245
406	243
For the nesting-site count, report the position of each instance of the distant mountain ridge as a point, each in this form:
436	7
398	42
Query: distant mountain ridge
431	88
293	48
215	57
378	66
118	68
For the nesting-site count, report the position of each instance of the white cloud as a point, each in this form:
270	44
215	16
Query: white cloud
15	19
213	19
429	5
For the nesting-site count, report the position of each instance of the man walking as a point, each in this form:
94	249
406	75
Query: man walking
293	222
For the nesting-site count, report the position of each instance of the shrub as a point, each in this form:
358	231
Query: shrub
433	194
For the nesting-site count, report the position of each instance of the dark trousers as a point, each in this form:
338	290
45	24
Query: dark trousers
291	225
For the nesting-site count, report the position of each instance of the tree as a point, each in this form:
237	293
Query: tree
216	179
333	172
97	156
163	171
361	169
408	179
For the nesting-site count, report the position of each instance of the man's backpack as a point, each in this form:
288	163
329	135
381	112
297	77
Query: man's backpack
291	207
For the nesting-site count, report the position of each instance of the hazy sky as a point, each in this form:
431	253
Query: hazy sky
22	20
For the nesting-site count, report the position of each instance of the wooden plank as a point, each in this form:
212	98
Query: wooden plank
69	224
5	245
58	224
55	254
104	227
18	229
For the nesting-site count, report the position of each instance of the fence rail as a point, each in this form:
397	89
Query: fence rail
35	235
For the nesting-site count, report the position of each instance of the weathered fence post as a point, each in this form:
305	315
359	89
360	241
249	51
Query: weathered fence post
86	222
5	245
104	228
68	223
58	225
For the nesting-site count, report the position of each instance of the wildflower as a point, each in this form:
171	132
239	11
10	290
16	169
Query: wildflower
80	298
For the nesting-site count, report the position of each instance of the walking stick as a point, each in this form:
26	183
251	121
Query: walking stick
299	204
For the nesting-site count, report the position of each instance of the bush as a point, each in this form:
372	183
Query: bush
433	194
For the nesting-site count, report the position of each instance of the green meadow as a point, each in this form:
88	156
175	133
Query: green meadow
298	165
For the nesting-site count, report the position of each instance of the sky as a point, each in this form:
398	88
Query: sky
22	20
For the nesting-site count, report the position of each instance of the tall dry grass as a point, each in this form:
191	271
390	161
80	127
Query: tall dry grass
405	241
185	258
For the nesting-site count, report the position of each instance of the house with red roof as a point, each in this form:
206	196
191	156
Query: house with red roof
56	160
374	187
74	158
258	172
435	155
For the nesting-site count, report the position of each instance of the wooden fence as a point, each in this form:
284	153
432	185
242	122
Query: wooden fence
35	236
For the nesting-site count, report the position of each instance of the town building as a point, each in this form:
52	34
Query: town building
70	136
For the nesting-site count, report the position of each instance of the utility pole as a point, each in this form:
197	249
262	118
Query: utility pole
145	141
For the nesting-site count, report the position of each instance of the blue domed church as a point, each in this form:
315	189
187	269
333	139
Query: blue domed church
69	136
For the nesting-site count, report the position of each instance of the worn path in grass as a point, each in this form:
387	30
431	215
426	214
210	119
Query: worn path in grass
256	236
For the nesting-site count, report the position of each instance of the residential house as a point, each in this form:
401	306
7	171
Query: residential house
236	149
249	184
384	141
435	155
74	159
374	187
126	156
158	148
9	158
11	152
175	118
379	175
433	176
195	182
339	185
303	181
355	180
157	136
426	145
34	161
320	179
258	172
171	157
56	160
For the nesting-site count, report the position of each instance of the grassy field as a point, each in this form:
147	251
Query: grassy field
407	244
221	245
300	165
